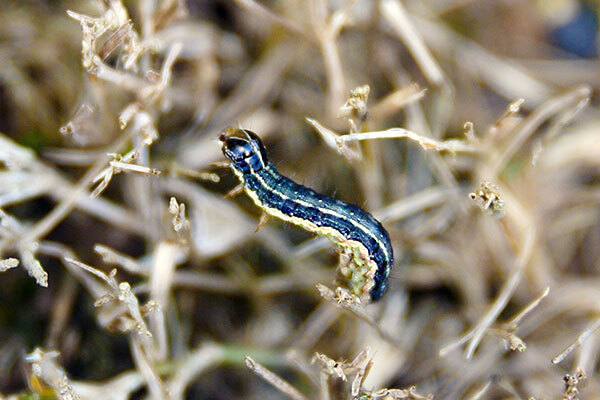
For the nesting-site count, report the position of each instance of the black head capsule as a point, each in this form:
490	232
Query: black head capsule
244	149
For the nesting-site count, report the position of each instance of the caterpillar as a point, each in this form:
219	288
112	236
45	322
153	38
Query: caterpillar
362	239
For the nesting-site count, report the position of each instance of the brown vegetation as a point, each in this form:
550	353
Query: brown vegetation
455	122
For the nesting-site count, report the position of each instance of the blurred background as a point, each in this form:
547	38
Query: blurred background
108	109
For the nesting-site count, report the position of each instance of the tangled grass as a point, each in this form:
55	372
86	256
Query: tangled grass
457	123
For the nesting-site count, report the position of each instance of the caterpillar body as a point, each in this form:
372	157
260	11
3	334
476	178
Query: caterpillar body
361	237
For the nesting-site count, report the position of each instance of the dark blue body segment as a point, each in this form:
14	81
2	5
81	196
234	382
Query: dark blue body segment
287	202
382	280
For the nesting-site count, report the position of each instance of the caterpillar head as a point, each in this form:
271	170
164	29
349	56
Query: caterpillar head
244	149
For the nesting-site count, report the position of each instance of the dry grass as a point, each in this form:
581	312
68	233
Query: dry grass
455	122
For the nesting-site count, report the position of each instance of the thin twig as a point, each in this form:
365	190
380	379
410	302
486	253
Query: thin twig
58	213
279	383
541	114
194	363
336	141
395	14
263	12
395	101
580	339
505	293
327	30
514	321
452	145
350	303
